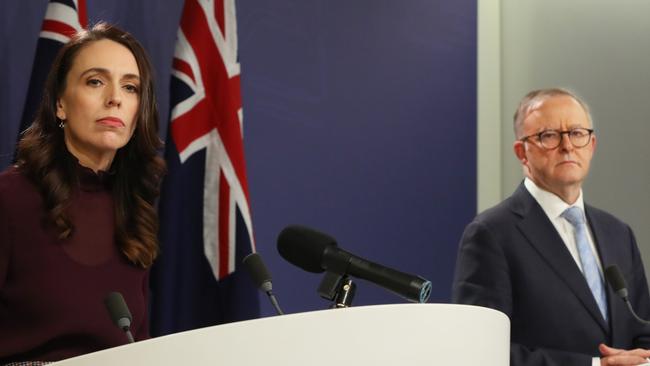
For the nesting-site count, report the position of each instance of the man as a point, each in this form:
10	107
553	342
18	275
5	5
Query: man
539	255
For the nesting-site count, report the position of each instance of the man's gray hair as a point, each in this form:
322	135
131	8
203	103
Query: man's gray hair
535	97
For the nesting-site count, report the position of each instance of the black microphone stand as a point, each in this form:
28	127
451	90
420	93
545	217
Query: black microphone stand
616	281
629	307
338	288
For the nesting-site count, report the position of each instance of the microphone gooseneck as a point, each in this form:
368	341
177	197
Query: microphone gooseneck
316	252
617	282
262	278
119	313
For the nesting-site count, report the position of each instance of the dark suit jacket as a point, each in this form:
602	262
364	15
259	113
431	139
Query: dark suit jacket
512	259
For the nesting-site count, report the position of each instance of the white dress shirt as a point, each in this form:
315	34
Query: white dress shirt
553	207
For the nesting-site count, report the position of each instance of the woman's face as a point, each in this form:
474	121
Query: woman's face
100	102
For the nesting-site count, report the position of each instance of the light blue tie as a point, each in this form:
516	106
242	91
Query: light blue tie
587	258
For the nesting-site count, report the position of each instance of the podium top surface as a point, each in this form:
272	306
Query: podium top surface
415	334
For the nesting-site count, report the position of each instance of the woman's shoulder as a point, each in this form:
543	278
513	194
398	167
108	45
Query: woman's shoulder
11	176
13	183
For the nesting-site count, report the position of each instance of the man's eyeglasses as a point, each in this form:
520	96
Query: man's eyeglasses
550	139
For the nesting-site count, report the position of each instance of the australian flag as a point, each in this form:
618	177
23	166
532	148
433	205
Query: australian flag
205	216
63	18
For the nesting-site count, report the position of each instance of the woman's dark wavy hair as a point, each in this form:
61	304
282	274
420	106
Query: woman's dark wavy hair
42	155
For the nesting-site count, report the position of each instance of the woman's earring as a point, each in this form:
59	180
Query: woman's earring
61	124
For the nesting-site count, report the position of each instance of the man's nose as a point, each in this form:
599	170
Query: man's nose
565	142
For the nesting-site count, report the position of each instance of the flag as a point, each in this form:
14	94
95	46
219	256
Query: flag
205	219
63	18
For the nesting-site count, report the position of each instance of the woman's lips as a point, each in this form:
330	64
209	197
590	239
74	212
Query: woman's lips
111	121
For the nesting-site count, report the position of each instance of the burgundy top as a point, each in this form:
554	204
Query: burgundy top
52	291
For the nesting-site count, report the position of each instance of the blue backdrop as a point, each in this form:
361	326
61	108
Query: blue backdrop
359	120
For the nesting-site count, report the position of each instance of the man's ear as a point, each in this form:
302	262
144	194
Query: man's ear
593	144
60	110
519	148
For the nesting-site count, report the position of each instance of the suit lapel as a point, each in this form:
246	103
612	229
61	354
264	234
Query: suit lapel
606	246
541	234
601	238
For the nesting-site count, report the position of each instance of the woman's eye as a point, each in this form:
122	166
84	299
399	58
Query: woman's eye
131	88
94	82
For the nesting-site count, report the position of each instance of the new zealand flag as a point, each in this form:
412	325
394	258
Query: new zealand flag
204	210
63	18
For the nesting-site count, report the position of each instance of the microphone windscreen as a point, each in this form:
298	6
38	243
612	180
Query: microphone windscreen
256	268
304	247
117	308
615	278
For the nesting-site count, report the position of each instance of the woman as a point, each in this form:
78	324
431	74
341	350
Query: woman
77	216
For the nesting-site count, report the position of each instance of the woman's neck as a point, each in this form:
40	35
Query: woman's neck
95	161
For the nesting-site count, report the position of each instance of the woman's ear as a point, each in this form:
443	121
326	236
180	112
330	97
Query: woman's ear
60	110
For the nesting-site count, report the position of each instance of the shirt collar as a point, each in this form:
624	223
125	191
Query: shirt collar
552	205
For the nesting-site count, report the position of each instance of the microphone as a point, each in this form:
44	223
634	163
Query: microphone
119	313
316	252
261	277
617	283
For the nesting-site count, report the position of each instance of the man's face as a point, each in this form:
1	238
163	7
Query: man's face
564	167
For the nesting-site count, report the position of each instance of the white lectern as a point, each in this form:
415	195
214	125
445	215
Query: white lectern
406	334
